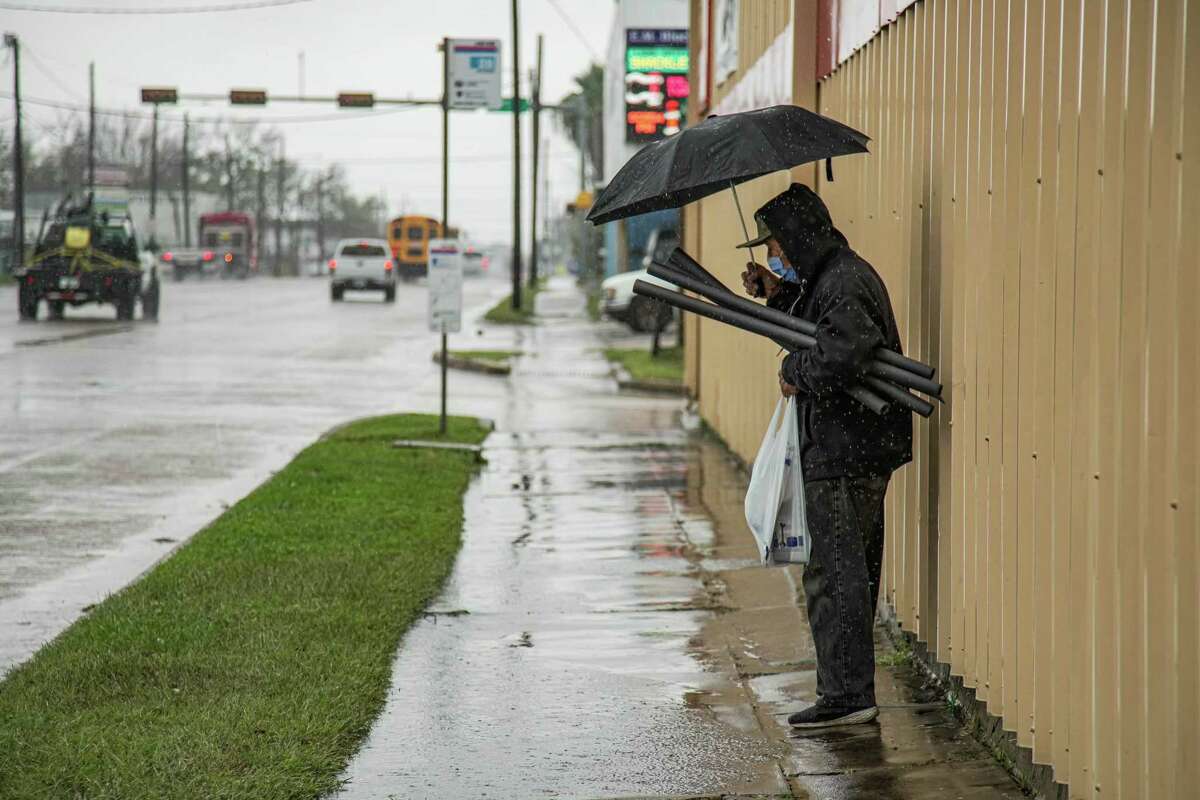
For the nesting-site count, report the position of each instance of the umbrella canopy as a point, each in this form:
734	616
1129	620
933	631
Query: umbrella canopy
721	152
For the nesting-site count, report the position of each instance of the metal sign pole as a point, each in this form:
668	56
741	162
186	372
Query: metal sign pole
516	115
445	198
154	181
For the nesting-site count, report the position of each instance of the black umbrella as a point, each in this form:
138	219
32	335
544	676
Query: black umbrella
719	153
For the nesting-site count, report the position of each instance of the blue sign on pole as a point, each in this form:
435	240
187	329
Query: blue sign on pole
474	73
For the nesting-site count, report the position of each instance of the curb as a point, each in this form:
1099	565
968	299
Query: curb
475	365
627	382
476	450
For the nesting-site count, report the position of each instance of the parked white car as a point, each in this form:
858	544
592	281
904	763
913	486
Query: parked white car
362	264
640	313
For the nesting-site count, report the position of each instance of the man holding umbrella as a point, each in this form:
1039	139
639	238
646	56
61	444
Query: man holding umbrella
847	451
838	373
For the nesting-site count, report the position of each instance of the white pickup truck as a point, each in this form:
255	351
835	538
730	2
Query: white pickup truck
362	264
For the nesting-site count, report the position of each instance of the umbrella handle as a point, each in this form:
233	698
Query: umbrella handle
741	218
762	290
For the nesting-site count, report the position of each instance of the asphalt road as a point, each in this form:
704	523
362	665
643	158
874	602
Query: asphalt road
120	440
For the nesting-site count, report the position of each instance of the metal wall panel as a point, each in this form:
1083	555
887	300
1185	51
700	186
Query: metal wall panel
1033	202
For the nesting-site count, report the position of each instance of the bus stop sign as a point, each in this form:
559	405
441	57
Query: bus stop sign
445	286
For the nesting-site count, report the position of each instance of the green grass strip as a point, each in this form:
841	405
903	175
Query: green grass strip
497	356
251	663
667	366
503	312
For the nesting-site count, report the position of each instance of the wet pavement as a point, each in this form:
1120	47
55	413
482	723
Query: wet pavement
119	440
607	633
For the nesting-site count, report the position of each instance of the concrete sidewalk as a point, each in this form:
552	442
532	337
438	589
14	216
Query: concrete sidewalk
607	634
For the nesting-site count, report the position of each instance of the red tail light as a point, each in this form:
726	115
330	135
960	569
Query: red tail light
387	266
167	256
332	264
208	255
229	258
29	281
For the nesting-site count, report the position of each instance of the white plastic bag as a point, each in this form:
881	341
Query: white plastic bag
775	500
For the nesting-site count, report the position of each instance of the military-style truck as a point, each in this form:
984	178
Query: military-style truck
87	253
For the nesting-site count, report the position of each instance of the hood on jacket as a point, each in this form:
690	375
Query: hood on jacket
800	222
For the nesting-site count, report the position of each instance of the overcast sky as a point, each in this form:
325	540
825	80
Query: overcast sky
384	46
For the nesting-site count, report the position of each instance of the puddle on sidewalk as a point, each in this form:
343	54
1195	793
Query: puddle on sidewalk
580	670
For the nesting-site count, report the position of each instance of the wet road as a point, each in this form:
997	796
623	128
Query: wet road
119	440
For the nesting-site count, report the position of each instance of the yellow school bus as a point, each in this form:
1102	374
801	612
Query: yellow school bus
409	236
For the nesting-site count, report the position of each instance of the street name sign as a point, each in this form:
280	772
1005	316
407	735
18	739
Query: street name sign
506	105
474	73
445	286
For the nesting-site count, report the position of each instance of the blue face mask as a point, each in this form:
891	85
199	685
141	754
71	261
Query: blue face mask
775	263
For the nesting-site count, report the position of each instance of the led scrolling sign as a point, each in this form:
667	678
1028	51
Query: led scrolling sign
656	83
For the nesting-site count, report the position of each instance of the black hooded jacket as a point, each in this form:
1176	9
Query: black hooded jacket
846	298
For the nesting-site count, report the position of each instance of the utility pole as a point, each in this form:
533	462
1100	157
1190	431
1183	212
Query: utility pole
279	210
187	186
546	192
321	216
260	208
582	132
10	40
154	181
445	199
92	128
228	176
445	136
537	141
516	115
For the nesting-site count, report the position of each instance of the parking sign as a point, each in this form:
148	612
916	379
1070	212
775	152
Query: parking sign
445	286
474	73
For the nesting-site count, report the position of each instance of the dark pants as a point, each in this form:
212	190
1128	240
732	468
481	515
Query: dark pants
841	584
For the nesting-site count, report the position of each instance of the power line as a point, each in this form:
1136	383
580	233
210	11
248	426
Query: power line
45	70
169	10
574	28
403	160
332	117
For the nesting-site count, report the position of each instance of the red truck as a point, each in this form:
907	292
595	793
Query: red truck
227	248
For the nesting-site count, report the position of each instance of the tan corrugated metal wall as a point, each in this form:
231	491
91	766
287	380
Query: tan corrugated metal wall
1033	202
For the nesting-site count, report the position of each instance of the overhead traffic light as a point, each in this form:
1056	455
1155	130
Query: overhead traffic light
248	97
356	100
160	94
